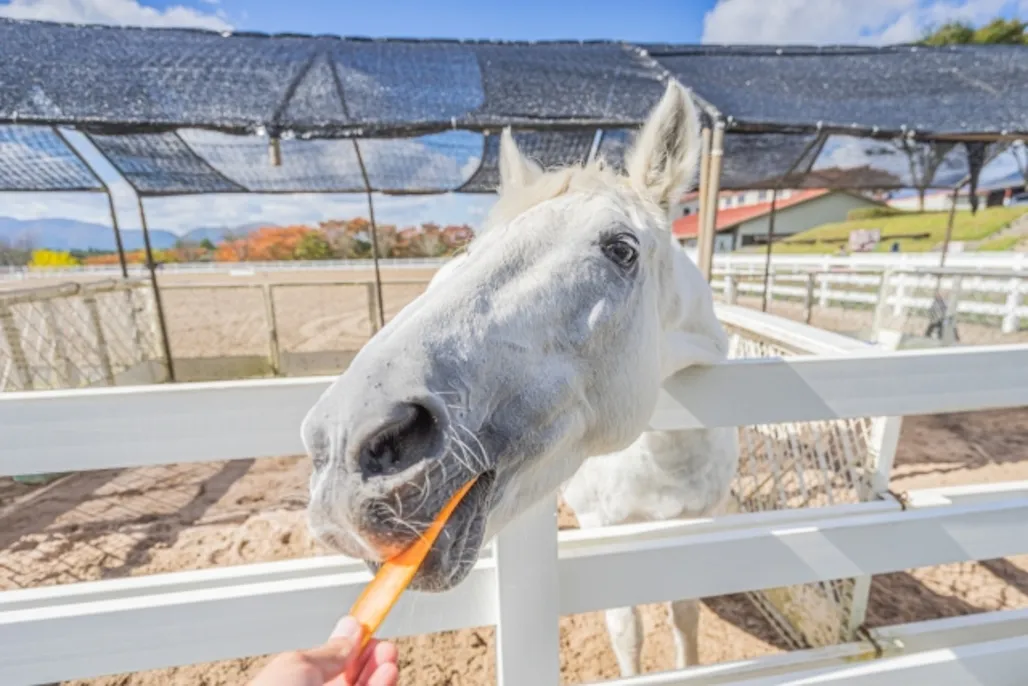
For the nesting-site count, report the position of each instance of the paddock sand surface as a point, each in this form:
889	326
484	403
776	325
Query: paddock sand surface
109	524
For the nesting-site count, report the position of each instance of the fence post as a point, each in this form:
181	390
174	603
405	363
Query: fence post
1011	320
270	322
882	443
882	304
527	599
18	360
731	296
808	299
822	291
103	354
949	330
372	308
898	306
62	363
137	326
770	287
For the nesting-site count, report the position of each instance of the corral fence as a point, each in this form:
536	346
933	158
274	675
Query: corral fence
815	522
921	302
107	333
79	334
12	273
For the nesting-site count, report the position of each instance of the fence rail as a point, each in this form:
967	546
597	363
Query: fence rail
879	261
996	298
255	609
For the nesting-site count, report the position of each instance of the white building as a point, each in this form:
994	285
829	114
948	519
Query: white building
743	216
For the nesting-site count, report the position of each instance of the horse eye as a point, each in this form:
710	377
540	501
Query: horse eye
621	253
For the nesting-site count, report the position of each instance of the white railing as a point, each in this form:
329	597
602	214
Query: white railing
22	273
998	297
976	260
533	575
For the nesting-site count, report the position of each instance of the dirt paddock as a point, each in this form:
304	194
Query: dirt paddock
117	523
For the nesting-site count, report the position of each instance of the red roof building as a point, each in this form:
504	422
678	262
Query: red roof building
797	211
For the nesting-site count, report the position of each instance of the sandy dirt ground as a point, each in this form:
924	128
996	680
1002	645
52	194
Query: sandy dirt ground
110	524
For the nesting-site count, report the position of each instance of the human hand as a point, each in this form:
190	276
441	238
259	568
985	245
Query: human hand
335	663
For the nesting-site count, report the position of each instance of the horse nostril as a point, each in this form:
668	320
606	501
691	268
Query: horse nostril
410	435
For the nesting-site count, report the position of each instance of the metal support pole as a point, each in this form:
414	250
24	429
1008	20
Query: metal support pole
949	226
110	201
162	323
770	240
701	191
815	145
271	327
374	235
708	231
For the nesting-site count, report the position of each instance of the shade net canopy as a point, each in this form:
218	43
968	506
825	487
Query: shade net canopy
141	80
944	91
180	111
34	158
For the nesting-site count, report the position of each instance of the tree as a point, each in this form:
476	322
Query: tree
16	255
52	258
207	245
925	160
1002	31
998	31
313	246
952	33
188	251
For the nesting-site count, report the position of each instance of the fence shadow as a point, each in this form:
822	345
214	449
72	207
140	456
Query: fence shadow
900	598
739	611
166	529
945	443
38	511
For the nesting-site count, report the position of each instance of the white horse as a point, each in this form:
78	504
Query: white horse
533	362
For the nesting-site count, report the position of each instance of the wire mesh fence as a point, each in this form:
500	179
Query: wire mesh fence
78	335
797	465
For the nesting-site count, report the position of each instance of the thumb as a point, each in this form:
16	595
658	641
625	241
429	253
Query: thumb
332	657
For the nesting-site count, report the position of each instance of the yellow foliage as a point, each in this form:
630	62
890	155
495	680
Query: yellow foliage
52	258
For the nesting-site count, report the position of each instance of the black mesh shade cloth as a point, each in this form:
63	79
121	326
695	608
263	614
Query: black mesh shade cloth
195	161
34	158
548	148
180	111
142	80
952	91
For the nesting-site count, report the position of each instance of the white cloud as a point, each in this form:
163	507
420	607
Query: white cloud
114	12
825	22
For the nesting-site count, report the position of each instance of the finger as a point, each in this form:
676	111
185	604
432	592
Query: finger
356	666
386	675
332	658
382	655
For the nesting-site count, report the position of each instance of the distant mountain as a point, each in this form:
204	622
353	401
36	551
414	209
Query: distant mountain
71	234
219	233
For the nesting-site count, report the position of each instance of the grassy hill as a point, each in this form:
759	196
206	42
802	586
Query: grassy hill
915	232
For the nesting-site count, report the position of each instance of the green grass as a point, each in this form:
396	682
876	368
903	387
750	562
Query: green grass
1001	244
966	227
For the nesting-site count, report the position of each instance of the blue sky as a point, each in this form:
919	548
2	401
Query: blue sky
686	21
679	20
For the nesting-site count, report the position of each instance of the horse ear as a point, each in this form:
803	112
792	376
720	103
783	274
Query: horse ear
666	153
516	170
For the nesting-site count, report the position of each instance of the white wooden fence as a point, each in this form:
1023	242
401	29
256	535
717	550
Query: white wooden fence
997	297
972	260
533	575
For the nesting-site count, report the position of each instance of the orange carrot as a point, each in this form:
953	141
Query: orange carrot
396	573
